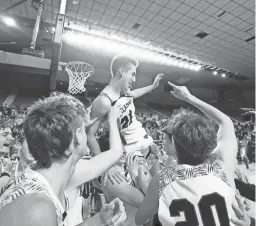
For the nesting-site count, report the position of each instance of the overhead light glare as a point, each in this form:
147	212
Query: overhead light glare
198	67
181	64
223	75
9	21
192	67
215	72
186	65
175	62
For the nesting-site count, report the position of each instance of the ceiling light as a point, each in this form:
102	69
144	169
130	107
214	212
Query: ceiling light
215	72
175	62
181	64
198	67
192	67
186	65
9	21
223	75
170	61
53	29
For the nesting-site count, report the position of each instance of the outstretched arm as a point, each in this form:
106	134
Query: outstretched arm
150	204
125	192
87	170
226	139
142	91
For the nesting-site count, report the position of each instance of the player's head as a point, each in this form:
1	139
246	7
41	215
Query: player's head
190	136
124	68
54	130
6	140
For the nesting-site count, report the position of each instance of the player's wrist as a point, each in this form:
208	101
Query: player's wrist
112	119
134	176
154	86
190	99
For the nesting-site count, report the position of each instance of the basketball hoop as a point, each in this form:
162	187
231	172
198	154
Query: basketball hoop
78	72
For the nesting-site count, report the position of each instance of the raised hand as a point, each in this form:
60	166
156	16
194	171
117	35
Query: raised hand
144	178
157	79
180	92
155	151
242	218
132	163
88	121
114	176
113	214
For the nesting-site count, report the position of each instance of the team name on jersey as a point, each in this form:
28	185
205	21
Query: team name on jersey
124	108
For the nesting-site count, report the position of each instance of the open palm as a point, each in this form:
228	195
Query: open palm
158	78
88	121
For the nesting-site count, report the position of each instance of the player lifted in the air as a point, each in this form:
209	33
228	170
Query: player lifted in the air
123	71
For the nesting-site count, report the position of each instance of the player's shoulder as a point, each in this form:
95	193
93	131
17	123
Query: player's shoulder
45	209
127	94
102	102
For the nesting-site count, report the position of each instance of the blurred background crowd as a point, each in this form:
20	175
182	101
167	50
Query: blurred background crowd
11	133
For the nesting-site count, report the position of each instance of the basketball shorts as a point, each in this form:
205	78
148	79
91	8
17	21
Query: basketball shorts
138	144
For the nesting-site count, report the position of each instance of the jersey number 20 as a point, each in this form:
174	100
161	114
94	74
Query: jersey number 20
126	120
205	203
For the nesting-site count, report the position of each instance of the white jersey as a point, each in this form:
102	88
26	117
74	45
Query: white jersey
31	182
198	195
74	212
134	135
131	129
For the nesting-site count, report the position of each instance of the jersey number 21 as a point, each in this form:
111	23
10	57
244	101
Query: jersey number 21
126	120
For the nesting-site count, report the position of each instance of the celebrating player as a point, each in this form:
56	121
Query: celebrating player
123	70
204	174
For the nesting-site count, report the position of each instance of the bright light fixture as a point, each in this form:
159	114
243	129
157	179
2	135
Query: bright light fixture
181	64
223	75
113	43
9	21
175	63
198	67
170	61
215	72
192	67
186	65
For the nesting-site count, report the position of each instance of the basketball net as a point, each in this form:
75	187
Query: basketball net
78	73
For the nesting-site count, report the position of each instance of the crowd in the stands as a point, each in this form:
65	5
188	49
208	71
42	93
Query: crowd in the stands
11	122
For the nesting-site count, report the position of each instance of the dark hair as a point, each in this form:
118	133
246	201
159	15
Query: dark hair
194	136
120	61
104	142
49	128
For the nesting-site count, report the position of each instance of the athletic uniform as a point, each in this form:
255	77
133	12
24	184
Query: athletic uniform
31	182
134	136
7	172
198	195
